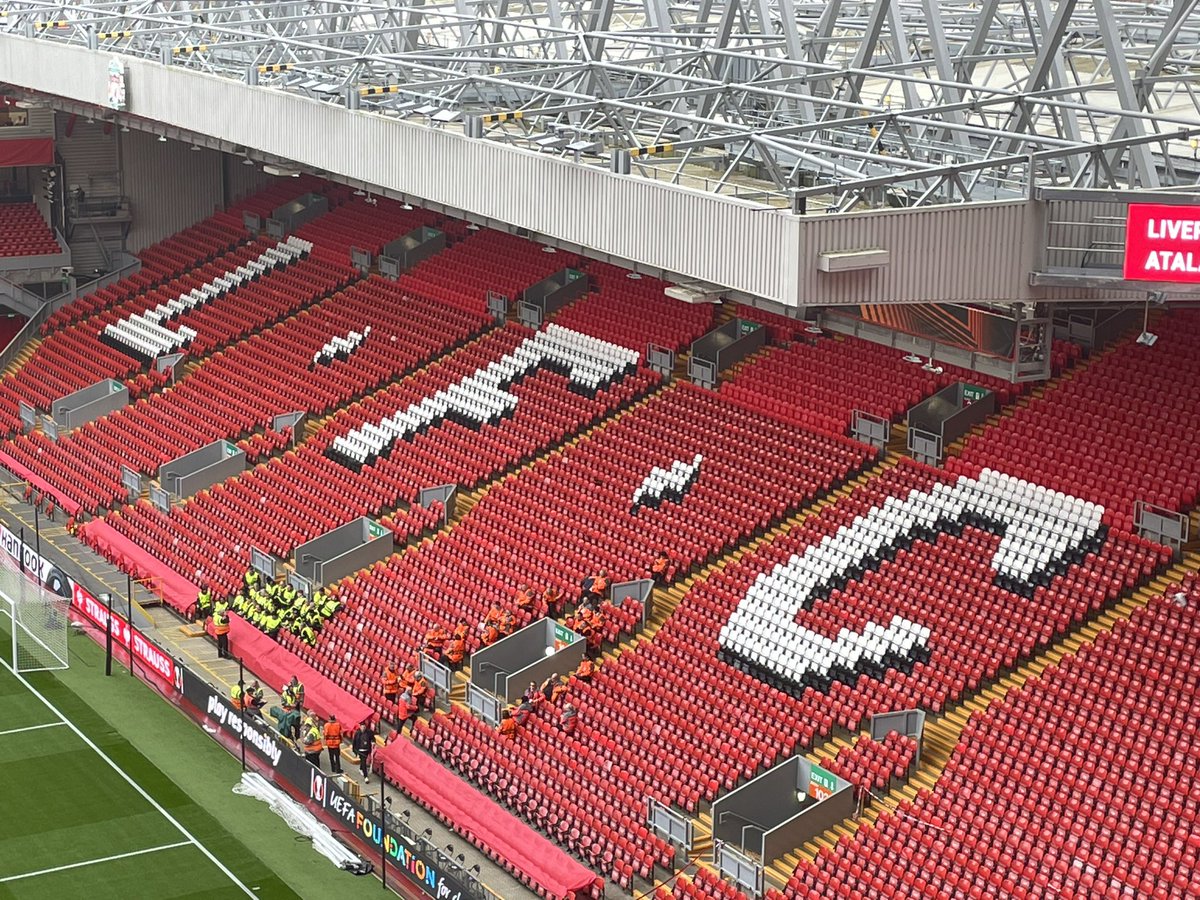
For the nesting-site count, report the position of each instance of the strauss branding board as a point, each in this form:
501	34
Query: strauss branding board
1162	243
143	651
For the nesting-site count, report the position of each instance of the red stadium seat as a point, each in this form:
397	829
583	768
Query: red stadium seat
1036	801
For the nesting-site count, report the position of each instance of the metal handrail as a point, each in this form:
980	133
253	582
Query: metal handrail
28	331
130	267
52	305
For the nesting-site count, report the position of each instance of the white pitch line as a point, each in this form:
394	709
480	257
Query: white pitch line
92	862
30	728
133	784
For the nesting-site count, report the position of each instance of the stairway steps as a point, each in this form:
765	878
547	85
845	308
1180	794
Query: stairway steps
23	356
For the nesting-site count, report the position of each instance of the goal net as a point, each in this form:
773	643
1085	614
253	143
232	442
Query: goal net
33	622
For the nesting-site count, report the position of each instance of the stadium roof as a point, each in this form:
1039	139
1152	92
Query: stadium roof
842	105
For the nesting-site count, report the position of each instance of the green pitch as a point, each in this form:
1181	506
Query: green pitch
75	826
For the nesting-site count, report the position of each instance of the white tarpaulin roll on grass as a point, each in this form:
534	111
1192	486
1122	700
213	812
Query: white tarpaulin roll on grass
301	821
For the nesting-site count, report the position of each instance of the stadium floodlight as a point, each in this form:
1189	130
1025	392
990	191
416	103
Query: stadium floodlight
162	138
1147	339
914	358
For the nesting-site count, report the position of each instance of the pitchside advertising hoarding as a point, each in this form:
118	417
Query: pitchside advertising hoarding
88	606
285	766
1162	243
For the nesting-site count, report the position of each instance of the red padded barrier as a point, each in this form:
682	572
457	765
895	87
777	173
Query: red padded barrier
453	799
40	484
175	590
276	665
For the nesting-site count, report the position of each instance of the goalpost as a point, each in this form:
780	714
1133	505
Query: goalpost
33	621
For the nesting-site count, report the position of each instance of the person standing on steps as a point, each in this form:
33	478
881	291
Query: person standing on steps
221	627
363	745
660	569
333	743
204	604
456	648
312	742
391	684
422	693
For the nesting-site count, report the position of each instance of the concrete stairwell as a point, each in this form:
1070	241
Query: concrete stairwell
23	356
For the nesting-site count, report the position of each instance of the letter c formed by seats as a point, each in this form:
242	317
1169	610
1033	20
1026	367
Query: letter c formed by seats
1042	532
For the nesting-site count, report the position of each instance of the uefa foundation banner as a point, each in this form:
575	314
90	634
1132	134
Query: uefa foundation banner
1162	243
284	766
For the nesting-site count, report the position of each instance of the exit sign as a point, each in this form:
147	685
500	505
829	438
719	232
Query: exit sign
973	393
821	783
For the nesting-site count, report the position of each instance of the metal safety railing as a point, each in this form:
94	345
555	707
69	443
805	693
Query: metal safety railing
1161	525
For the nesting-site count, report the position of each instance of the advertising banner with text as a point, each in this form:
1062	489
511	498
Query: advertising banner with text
1162	243
285	766
969	327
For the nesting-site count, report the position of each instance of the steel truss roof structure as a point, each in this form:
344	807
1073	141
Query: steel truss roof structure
835	106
